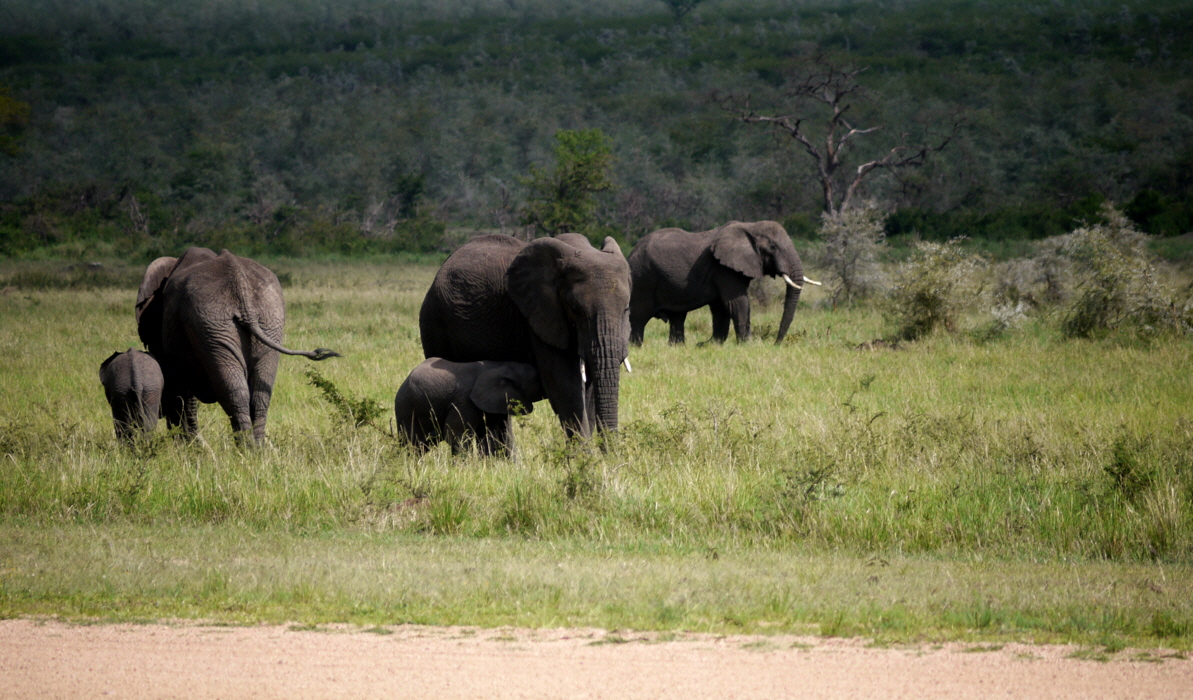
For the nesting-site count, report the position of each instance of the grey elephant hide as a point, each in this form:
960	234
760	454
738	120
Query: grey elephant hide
133	383
215	323
676	271
465	403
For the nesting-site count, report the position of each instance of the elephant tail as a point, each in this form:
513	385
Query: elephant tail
316	354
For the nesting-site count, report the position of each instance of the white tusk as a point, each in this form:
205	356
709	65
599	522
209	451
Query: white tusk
791	283
583	373
626	362
812	281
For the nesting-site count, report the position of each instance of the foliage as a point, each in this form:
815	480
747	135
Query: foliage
933	288
358	412
198	118
1040	279
854	241
563	200
14	117
1116	282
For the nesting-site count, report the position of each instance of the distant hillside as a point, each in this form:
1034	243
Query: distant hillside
141	125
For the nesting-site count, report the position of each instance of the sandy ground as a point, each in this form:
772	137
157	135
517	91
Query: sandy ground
47	659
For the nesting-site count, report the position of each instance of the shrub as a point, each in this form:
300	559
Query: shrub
853	241
933	288
358	412
1033	282
1116	282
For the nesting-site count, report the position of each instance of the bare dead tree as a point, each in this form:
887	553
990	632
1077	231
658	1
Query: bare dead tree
679	8
825	84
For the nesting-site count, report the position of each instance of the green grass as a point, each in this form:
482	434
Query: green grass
1024	487
237	575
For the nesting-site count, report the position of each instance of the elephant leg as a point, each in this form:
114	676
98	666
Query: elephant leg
559	372
488	435
261	389
461	429
190	410
638	326
676	320
720	321
732	288
636	333
172	408
739	311
234	399
180	412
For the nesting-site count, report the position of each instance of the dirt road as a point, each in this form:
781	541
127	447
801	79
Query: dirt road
40	659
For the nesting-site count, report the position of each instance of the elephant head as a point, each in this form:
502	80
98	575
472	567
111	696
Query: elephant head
575	299
507	387
762	248
149	306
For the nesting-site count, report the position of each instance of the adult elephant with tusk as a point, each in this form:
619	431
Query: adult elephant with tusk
558	304
676	271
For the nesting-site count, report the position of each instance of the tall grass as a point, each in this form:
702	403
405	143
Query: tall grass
1027	446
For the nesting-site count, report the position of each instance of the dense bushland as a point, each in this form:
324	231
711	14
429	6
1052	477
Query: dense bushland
363	126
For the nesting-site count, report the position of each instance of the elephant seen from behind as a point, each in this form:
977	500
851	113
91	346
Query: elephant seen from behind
464	402
133	384
676	271
214	322
558	304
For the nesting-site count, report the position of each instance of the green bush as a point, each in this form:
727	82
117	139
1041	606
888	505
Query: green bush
933	288
1116	282
563	200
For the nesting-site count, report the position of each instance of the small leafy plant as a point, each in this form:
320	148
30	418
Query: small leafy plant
357	411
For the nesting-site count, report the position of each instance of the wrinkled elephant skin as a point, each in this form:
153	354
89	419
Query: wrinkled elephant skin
558	304
215	322
464	402
133	384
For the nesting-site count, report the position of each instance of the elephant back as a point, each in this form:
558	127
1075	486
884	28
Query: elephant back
467	314
670	254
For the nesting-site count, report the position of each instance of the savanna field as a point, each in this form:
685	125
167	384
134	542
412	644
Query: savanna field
1009	485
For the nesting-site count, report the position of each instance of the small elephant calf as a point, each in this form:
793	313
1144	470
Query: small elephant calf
133	384
464	401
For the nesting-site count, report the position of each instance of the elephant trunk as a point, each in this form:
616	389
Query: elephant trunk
605	355
789	302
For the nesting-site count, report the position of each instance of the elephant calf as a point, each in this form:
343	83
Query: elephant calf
133	384
465	401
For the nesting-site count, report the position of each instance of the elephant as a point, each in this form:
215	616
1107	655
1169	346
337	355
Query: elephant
465	401
676	271
558	304
214	322
133	383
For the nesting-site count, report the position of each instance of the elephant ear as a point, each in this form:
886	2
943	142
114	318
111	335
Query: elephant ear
151	283
496	388
733	247
149	305
533	279
610	246
104	365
